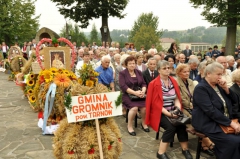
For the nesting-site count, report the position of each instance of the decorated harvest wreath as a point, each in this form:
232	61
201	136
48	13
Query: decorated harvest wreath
72	140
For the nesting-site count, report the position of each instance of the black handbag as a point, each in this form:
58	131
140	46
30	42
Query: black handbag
182	118
136	98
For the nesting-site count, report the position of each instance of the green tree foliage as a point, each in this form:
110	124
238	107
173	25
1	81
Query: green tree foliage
94	35
76	35
17	19
222	13
147	19
145	36
84	10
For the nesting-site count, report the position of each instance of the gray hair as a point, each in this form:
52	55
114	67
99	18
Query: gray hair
193	60
162	64
150	59
116	55
229	57
202	66
212	67
105	57
123	58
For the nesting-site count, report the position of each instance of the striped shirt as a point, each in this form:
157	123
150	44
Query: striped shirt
169	95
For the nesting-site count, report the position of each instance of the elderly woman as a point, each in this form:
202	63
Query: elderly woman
236	86
162	95
132	83
140	66
187	86
201	68
117	59
213	106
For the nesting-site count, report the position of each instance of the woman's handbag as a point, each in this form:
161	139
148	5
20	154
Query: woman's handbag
182	118
136	98
229	129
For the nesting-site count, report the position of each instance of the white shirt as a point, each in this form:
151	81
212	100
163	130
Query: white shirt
5	48
139	67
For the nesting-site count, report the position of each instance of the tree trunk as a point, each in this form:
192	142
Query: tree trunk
231	40
105	36
231	31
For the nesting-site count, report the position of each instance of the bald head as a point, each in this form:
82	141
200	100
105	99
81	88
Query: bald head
222	60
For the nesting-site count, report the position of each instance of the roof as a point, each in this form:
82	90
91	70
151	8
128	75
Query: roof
167	40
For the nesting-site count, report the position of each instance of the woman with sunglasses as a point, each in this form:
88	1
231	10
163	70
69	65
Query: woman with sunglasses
162	95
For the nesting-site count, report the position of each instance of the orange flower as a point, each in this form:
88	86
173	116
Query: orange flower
61	80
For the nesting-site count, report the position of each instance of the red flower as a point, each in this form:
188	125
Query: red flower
109	147
40	115
91	151
56	45
41	79
119	139
71	152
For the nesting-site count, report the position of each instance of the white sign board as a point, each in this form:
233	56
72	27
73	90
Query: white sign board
94	106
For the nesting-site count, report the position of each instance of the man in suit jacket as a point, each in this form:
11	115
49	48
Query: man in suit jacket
150	73
193	63
187	52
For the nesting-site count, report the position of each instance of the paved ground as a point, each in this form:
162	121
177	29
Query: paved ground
20	138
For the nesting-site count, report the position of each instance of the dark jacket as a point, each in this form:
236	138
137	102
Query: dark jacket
187	55
208	109
147	77
236	89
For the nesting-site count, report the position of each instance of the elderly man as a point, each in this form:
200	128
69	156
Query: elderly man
231	62
86	60
150	73
226	73
181	58
157	57
193	63
80	55
105	73
187	52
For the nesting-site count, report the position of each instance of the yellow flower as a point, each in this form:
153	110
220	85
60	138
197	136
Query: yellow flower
80	81
96	80
47	76
72	76
60	71
62	80
32	98
66	72
96	74
30	82
30	91
53	70
84	66
89	83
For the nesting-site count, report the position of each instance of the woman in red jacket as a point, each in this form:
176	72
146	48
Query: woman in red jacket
162	95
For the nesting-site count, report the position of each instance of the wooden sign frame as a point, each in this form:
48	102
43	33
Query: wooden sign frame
58	57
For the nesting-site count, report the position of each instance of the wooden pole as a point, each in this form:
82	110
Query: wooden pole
99	139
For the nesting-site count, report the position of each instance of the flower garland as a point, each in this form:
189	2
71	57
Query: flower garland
55	42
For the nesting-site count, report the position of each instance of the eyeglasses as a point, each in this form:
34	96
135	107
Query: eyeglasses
164	68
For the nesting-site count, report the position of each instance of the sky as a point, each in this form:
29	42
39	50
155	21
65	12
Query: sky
173	15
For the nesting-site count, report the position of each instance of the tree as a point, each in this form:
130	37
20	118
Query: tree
94	35
147	19
237	37
76	35
17	19
145	36
227	13
84	10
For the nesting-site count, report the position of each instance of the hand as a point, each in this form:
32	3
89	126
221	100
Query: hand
171	115
222	83
236	127
138	93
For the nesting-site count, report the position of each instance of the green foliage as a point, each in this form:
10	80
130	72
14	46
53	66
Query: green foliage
145	36
212	35
76	35
68	101
237	37
119	100
94	35
17	19
145	19
84	10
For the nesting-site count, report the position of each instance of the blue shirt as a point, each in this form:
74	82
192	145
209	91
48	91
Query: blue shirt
105	75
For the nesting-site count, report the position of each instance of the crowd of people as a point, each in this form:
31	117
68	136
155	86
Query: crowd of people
206	87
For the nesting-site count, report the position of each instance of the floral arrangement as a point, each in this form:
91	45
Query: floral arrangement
88	75
79	140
